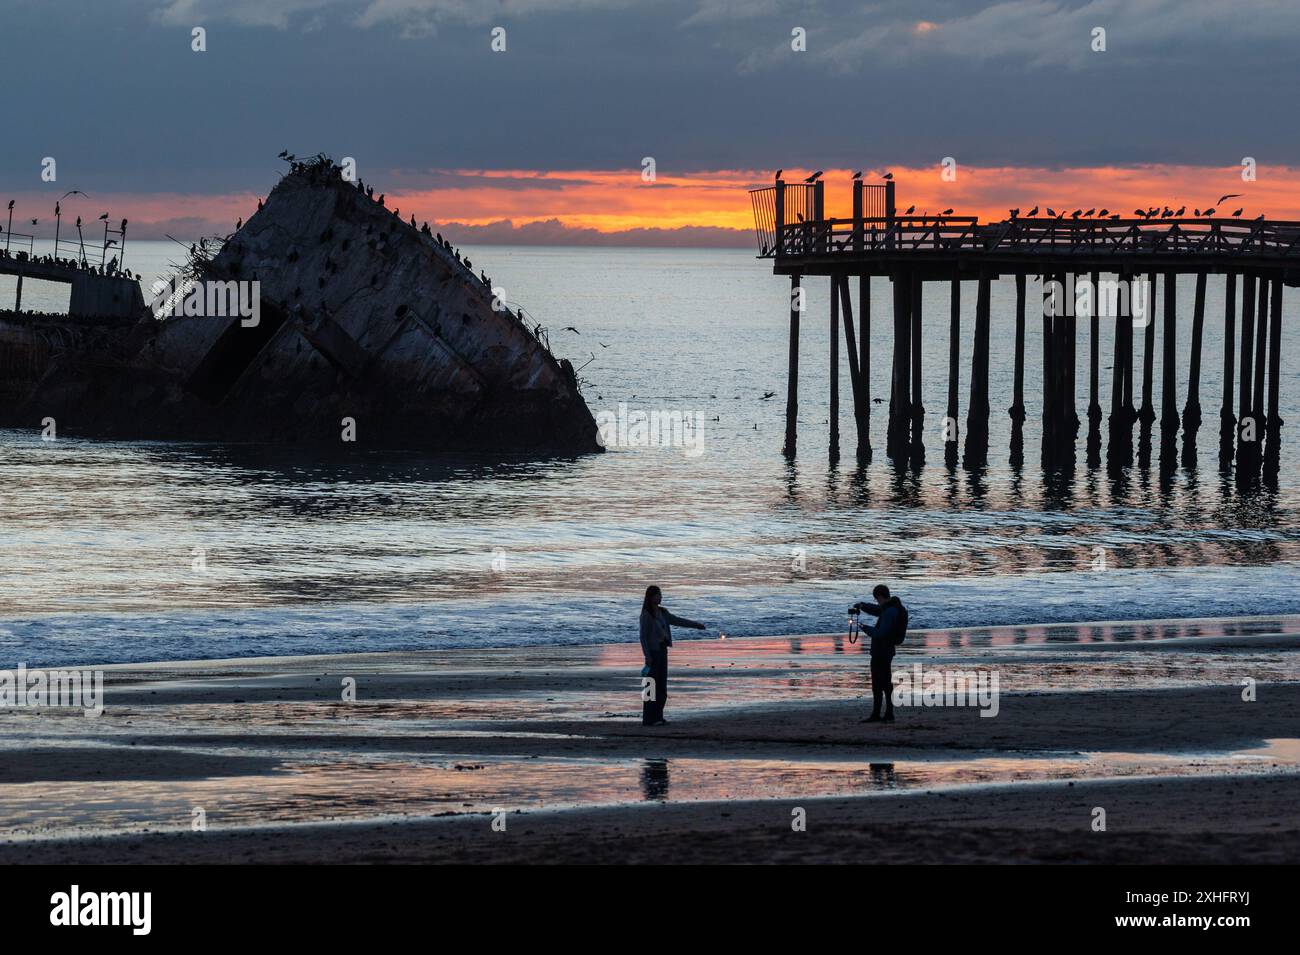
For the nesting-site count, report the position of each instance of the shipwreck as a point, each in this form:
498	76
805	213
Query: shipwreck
324	315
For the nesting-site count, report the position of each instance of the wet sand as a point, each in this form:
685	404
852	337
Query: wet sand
1145	721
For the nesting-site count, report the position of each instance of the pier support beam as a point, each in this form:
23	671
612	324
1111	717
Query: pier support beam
834	441
1147	414
1168	383
1118	419
1192	410
1053	303
856	370
917	450
1069	373
1245	423
1228	420
1119	444
1272	451
951	433
900	414
1094	397
1017	409
792	377
864	366
977	416
1255	457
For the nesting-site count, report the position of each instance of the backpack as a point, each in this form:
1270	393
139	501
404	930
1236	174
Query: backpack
900	631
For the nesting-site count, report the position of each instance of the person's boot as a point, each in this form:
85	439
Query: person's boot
889	716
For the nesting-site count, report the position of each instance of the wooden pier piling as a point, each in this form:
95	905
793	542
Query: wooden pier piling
1228	420
951	446
857	369
1094	359
864	364
834	440
977	415
792	375
1168	383
917	451
1017	409
1192	410
1147	414
1272	451
900	414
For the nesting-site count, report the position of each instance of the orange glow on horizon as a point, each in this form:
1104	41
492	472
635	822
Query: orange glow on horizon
615	201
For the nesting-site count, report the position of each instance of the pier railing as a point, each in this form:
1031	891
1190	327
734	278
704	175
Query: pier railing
830	237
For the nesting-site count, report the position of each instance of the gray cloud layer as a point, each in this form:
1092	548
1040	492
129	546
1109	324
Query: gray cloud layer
115	93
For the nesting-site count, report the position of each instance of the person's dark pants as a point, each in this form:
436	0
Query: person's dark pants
652	711
882	685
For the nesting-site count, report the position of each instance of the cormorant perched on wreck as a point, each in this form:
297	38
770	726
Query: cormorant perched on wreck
370	192
413	220
381	199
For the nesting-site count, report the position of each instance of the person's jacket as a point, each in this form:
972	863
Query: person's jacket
656	629
889	629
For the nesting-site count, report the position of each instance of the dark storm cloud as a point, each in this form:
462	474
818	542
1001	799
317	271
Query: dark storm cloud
114	93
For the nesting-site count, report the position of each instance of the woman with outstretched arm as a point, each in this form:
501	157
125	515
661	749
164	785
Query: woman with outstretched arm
656	638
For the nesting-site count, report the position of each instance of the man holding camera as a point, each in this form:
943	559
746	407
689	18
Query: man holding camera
887	633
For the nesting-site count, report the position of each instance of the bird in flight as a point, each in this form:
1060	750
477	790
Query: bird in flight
570	328
1231	195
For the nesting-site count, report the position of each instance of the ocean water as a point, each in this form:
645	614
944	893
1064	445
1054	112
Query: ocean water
119	552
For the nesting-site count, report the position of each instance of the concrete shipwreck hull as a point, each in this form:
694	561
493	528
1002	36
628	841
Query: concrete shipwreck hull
360	316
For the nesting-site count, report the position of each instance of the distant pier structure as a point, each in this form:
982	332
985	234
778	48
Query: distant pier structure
1120	257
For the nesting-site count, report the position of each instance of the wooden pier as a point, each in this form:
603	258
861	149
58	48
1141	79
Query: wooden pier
1121	256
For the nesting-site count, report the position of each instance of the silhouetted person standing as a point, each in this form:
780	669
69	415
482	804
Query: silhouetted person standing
887	633
656	638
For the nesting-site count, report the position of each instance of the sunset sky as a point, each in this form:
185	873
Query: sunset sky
544	142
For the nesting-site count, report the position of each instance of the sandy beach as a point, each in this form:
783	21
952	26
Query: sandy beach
538	755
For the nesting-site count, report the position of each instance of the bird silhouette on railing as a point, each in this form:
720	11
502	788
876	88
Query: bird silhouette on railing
814	177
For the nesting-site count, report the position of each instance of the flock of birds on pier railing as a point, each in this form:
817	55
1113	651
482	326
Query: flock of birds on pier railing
1154	212
109	268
